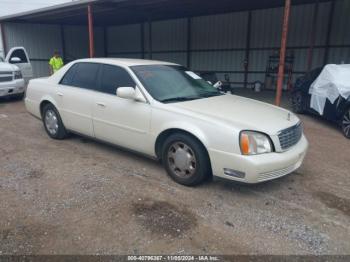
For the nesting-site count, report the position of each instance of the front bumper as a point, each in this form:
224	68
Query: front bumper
258	168
14	87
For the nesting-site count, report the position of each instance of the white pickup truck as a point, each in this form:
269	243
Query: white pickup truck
15	72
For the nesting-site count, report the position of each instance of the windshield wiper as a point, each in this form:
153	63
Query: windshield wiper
210	94
179	99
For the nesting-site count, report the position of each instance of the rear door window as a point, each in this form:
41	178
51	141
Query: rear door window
86	76
113	77
68	77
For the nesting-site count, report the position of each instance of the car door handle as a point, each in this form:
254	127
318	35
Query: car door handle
101	104
59	94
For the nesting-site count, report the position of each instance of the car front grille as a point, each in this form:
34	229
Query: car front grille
290	136
5	73
6	78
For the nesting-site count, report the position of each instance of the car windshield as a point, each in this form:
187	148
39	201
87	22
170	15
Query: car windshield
167	83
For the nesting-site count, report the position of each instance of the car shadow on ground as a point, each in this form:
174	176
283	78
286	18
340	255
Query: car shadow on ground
111	148
267	186
322	121
4	100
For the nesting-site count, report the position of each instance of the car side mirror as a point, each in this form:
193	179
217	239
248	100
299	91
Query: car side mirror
15	59
130	93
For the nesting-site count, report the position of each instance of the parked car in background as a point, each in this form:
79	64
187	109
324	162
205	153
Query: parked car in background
338	112
169	113
211	77
15	71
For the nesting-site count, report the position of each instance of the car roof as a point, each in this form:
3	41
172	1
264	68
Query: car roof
124	61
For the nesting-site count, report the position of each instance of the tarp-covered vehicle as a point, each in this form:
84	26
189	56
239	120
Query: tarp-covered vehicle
325	92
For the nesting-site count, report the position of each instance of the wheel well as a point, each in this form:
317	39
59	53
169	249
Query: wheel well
165	134
42	104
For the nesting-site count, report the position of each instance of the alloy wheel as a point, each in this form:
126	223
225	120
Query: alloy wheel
346	124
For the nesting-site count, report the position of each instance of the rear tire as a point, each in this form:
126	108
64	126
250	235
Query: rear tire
345	124
185	159
53	123
298	102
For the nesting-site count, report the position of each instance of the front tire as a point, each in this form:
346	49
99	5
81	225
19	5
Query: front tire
346	123
53	123
185	159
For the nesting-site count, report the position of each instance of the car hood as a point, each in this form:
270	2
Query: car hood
5	67
243	113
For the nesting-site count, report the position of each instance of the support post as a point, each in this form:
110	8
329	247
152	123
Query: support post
3	36
283	52
142	32
91	32
312	37
329	32
63	43
189	43
150	38
247	49
105	41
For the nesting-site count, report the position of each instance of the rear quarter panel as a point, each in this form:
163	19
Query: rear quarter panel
39	90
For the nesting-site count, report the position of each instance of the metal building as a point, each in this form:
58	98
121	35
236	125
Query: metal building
223	36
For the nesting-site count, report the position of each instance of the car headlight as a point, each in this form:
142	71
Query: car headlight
254	143
18	75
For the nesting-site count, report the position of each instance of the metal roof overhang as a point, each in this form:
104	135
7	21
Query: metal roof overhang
117	12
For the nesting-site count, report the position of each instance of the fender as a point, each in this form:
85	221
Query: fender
185	126
49	99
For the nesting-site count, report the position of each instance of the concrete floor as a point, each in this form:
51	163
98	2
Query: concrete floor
78	196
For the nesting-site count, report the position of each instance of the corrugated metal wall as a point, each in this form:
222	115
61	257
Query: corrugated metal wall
38	40
266	35
169	41
218	42
76	40
340	34
206	43
41	40
124	41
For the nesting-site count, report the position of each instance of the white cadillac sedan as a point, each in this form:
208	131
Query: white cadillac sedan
164	111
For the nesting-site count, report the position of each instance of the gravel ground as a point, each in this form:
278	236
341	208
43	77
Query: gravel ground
78	196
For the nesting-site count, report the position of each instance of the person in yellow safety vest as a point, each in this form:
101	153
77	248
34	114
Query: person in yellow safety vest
55	63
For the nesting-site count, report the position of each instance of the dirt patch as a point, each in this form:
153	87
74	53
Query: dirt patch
163	218
22	170
25	239
335	202
228	223
35	173
4	234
